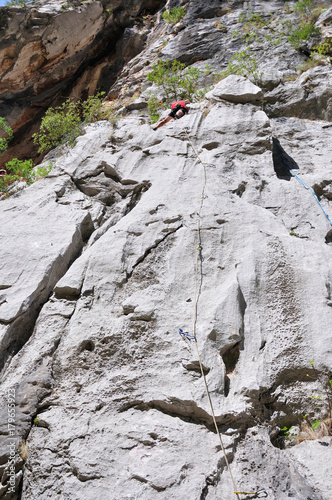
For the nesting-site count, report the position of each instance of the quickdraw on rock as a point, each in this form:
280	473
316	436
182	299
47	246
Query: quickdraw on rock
186	334
261	493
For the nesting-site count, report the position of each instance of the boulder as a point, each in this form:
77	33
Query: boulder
236	89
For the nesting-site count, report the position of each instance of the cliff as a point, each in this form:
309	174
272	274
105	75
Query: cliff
221	220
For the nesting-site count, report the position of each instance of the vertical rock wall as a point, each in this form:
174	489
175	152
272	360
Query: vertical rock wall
98	273
119	400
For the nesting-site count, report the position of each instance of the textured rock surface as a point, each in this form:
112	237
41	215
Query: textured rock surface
118	392
53	50
236	88
98	273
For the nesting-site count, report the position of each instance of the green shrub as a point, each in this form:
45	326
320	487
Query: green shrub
21	3
21	170
154	107
7	132
176	80
251	19
304	7
65	122
92	108
323	49
243	63
59	125
302	34
174	16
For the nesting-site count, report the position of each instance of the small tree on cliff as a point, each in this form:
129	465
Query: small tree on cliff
176	80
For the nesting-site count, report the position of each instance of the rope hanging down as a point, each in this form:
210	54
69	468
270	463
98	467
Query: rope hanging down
313	194
196	296
305	185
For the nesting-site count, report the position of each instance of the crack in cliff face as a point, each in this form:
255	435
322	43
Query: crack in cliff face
147	252
39	387
189	411
212	480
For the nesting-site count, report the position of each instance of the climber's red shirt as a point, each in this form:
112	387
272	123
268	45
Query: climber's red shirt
182	104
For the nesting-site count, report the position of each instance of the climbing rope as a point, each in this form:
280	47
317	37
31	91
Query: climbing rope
305	185
196	297
312	192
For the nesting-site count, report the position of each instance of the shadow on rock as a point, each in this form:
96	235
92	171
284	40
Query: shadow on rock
282	162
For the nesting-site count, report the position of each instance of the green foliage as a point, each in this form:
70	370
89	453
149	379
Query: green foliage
323	49
176	80
65	122
59	125
315	424
174	16
302	31
243	63
92	108
21	170
288	431
251	19
154	106
7	132
302	34
304	7
42	171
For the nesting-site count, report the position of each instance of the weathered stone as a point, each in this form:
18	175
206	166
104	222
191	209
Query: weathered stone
324	22
236	88
137	104
109	397
309	96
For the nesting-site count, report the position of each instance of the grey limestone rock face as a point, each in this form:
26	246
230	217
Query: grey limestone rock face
120	403
219	217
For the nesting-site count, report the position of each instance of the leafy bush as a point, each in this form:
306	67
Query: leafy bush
302	34
59	125
21	170
92	108
176	80
154	105
324	48
65	122
251	19
7	132
174	16
243	63
304	7
21	3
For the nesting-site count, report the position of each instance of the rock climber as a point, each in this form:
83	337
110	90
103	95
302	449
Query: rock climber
178	110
